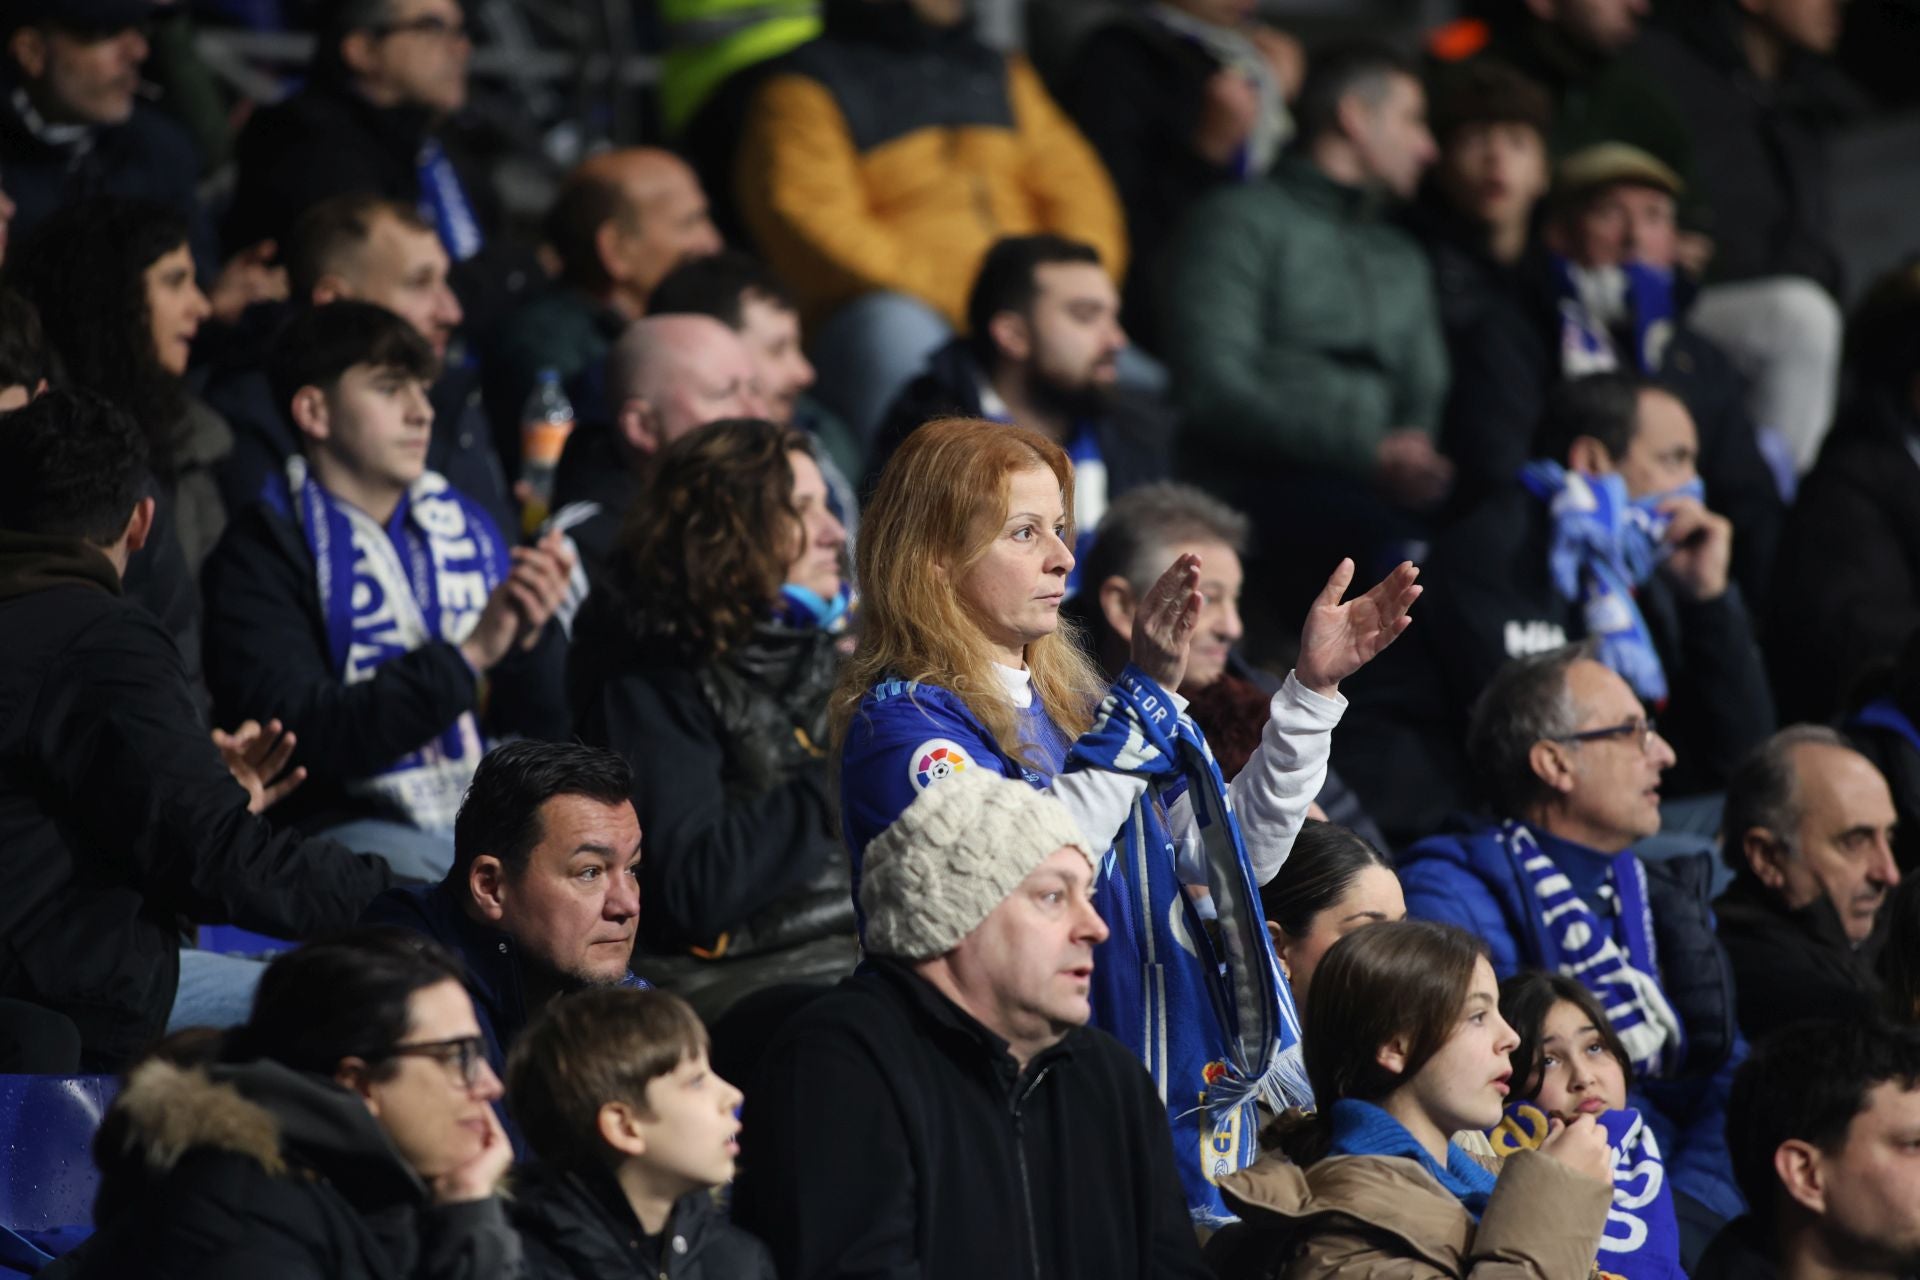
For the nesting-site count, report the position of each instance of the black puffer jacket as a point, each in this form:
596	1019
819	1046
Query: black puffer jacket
745	880
580	1227
260	1171
117	817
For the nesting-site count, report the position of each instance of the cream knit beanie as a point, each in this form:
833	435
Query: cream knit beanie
962	846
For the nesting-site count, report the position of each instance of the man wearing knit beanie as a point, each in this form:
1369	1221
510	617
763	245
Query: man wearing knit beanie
946	1112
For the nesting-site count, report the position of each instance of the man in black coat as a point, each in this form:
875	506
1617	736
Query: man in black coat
373	606
1846	589
1491	596
1042	345
117	818
1809	834
987	1130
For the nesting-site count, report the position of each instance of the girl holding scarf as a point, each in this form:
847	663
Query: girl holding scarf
963	664
708	664
1568	1064
1406	1045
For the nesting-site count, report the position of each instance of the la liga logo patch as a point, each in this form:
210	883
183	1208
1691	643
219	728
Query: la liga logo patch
935	759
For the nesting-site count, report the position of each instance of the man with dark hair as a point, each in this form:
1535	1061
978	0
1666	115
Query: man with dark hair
1606	536
1821	1124
1313	413
544	894
119	817
1042	348
371	604
1809	834
1571	764
622	221
369	249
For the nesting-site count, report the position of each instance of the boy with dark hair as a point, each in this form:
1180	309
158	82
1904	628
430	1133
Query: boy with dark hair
117	817
1821	1126
632	1127
375	606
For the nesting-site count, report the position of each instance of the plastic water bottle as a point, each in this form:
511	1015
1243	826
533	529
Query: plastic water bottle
545	424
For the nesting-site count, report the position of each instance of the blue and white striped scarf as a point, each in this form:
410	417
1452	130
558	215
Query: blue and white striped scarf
1581	945
1204	1008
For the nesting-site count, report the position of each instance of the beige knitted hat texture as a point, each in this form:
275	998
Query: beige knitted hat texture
961	847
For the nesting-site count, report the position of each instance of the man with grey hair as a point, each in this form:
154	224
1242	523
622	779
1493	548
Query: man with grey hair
1809	835
667	376
1144	531
1571	765
993	1133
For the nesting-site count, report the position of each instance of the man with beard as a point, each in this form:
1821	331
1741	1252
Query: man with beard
1042	345
544	895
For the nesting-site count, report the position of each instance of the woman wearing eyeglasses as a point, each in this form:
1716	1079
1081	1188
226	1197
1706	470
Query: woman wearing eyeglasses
1572	765
346	1131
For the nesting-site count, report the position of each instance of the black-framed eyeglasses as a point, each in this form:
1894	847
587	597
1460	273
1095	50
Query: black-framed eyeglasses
430	25
465	1054
1640	728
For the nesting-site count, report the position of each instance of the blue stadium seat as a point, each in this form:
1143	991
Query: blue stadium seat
47	1175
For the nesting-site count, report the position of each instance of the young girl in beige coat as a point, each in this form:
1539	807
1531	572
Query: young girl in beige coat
1405	1045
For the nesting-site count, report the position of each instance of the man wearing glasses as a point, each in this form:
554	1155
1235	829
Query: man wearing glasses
386	76
1571	765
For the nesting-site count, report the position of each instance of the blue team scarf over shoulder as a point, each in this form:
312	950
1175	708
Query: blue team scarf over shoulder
1204	1007
1642	1236
387	590
1604	548
1363	1129
805	609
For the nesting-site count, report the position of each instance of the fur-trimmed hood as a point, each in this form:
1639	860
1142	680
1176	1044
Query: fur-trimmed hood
281	1119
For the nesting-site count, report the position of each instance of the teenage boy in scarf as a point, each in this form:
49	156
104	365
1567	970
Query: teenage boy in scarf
1572	765
376	608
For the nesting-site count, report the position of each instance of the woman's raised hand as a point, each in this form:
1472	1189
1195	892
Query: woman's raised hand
1164	625
1339	639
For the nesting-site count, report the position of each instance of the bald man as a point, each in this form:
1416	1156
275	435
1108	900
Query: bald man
666	376
622	220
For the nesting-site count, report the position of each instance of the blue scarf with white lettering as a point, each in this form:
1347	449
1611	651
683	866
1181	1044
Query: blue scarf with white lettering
1597	303
1201	1002
1622	975
443	202
384	592
1642	1237
1604	548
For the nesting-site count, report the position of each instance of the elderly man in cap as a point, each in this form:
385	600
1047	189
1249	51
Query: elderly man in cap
983	1129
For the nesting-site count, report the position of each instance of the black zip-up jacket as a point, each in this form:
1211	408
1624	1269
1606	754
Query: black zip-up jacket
948	1161
579	1226
1792	965
267	656
1489	598
118	818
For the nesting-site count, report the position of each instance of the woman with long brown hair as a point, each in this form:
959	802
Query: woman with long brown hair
708	662
1406	1046
964	663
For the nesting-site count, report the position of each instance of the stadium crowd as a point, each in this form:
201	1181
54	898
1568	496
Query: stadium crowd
1241	659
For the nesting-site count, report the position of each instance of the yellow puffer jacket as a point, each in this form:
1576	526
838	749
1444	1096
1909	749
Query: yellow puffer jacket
865	166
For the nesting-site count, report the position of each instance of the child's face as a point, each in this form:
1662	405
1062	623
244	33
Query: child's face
379	425
1579	1076
692	1136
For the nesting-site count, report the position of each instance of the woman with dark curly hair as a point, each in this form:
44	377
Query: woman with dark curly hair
708	663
